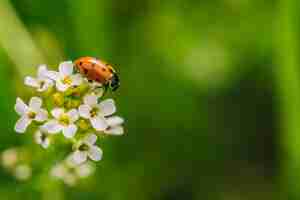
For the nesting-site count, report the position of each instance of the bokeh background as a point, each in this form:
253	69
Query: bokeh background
210	90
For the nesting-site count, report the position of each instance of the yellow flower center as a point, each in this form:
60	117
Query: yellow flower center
94	111
67	80
83	147
64	119
31	115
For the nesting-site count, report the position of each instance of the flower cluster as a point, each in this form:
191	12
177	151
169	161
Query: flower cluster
16	161
70	173
67	103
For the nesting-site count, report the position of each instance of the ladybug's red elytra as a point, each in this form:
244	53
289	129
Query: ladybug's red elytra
99	71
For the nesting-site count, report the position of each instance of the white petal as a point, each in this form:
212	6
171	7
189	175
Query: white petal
79	157
42	71
73	115
107	107
61	87
35	103
47	84
22	124
69	131
66	68
84	170
95	153
52	126
84	111
90	99
58	171
31	81
45	144
57	112
20	107
37	137
114	121
53	75
90	139
99	123
41	115
76	79
115	130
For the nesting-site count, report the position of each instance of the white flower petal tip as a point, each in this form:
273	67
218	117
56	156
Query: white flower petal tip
90	139
29	81
69	131
108	107
95	153
21	108
90	99
117	130
84	111
66	68
79	157
114	126
22	124
99	123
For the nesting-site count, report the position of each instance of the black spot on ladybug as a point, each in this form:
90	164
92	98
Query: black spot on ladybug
103	69
80	63
85	71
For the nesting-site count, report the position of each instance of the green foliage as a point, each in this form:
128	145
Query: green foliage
197	92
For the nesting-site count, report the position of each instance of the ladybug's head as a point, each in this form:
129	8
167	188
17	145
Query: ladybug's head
114	83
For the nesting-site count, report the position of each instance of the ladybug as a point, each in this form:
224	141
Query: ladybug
97	70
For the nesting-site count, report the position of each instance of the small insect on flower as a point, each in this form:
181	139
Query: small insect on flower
99	71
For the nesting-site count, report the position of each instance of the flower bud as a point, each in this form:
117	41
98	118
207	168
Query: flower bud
58	99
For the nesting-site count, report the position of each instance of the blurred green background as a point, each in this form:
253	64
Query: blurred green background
210	91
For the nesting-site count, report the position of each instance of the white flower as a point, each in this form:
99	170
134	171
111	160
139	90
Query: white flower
41	82
95	112
87	148
23	172
42	137
65	77
63	121
10	157
29	113
114	126
70	173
